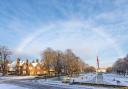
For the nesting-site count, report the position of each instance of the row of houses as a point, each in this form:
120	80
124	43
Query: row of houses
19	67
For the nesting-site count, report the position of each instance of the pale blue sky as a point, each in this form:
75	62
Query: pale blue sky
88	27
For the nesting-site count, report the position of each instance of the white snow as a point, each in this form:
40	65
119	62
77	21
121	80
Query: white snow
21	63
113	78
34	64
59	84
13	64
84	78
16	77
9	86
109	78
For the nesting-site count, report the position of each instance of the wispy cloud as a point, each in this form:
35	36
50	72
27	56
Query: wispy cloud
90	28
70	35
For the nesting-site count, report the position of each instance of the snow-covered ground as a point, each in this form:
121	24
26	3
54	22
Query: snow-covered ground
9	86
63	85
113	78
107	79
84	78
16	77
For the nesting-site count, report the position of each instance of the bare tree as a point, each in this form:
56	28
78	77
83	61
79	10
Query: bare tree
121	66
4	57
57	62
82	66
69	57
73	64
63	62
109	69
47	57
90	69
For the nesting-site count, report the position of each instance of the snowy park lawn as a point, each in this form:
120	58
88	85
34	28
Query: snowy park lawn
107	78
84	78
8	86
16	77
50	82
59	84
113	78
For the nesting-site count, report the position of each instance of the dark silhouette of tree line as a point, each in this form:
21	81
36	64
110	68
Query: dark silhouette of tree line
121	66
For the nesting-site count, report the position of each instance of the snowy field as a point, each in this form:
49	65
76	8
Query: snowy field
110	78
107	78
8	86
16	77
113	78
84	78
59	84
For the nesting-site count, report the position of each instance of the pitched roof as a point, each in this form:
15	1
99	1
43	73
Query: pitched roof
13	64
21	63
34	64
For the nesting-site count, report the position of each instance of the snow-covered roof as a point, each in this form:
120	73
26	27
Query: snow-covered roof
13	64
34	64
21	63
9	65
